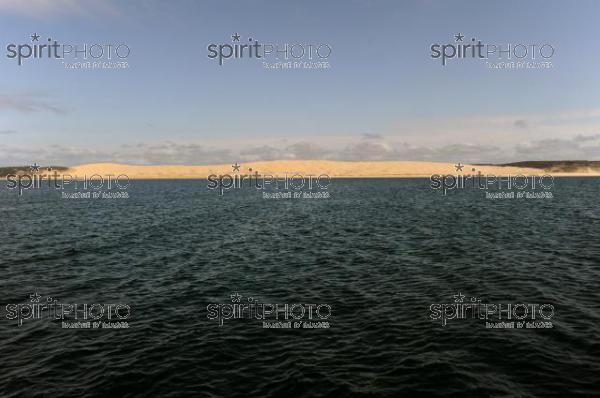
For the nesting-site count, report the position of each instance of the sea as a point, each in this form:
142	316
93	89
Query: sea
400	279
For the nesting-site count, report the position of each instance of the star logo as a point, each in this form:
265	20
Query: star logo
235	167
459	167
35	298
235	37
459	37
236	297
34	167
458	298
35	37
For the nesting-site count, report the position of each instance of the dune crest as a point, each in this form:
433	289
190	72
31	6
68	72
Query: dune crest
336	169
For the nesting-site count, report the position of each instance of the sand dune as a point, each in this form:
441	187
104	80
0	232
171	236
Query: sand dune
390	169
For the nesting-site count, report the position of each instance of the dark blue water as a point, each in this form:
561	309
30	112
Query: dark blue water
380	252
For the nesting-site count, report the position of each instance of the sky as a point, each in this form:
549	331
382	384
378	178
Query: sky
381	95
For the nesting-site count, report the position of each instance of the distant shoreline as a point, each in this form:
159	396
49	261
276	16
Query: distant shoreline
334	169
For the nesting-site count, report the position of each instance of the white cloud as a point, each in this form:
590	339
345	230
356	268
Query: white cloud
499	139
581	147
27	103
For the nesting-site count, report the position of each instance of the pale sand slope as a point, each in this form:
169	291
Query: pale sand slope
280	168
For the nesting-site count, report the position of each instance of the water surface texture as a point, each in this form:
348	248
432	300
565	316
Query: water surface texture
380	252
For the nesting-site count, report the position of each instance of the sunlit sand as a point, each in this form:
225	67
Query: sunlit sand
336	169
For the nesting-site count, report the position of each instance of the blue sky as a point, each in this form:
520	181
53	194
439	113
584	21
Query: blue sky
382	98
